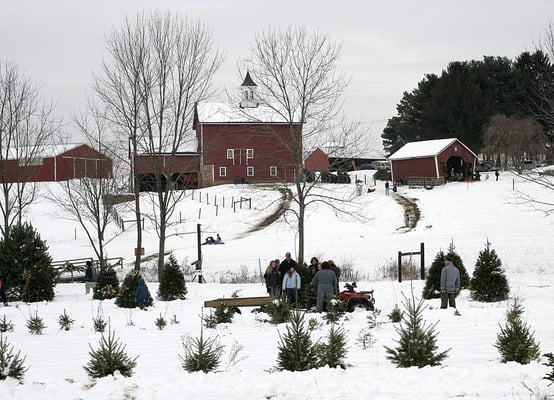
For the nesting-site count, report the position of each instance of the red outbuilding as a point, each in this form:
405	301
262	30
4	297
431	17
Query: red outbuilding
246	142
317	161
54	163
433	161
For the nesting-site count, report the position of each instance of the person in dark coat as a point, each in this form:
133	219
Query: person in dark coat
286	264
90	277
326	283
333	267
272	279
313	268
450	283
142	294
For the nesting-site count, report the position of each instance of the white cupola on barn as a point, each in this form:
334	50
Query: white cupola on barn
249	98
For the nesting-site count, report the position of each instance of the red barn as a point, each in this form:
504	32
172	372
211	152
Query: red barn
54	163
179	169
433	160
317	161
245	142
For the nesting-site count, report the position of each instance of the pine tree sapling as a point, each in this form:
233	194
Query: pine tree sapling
515	341
201	354
396	314
279	311
5	325
10	364
35	325
109	357
550	363
417	344
296	350
172	281
160	322
126	296
489	282
333	352
65	321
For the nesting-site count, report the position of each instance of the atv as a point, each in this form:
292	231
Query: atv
355	298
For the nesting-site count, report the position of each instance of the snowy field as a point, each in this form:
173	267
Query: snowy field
368	239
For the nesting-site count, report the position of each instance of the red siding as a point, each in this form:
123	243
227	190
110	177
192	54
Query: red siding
270	144
317	161
82	161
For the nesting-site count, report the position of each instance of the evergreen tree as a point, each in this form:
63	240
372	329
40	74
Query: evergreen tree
172	281
333	353
550	363
201	354
27	265
109	357
432	287
417	344
107	284
126	296
489	283
10	364
515	341
296	350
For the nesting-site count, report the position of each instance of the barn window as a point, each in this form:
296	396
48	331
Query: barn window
249	153
230	154
249	171
273	171
222	171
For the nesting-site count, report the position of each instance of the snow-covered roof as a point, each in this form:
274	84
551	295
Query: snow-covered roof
424	148
42	151
224	113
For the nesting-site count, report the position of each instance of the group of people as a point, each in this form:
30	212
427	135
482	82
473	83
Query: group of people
281	278
212	240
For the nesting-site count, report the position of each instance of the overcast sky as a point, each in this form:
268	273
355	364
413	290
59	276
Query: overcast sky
388	46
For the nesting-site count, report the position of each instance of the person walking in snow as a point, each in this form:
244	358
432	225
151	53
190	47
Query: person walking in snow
387	188
90	277
450	283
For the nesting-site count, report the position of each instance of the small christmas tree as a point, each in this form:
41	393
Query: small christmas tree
172	281
126	296
30	276
417	344
489	283
109	357
201	354
516	341
432	286
10	364
107	284
333	353
296	350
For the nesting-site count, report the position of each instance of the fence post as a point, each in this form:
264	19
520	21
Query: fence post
216	210
207	198
199	212
399	266
422	252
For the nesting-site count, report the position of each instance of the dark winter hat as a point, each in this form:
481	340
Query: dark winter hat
287	254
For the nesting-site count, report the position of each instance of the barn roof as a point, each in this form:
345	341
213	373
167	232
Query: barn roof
224	113
425	148
42	151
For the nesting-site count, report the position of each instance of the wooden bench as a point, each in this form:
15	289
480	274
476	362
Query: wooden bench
239	302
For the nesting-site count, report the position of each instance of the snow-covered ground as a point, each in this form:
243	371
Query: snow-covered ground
465	214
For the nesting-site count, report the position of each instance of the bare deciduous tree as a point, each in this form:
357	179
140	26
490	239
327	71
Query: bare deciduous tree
26	125
89	200
159	66
297	77
513	139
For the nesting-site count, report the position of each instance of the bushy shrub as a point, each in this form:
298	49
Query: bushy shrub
332	352
30	276
109	357
279	311
515	341
489	282
172	281
222	314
